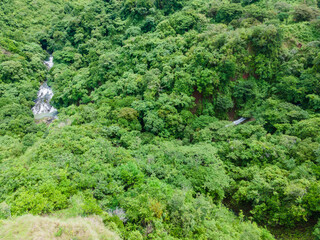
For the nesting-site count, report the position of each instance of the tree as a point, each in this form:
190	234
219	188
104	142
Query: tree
304	13
227	13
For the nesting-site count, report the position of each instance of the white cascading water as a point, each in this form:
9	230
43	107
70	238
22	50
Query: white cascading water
240	120
237	122
42	107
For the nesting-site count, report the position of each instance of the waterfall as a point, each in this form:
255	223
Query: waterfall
237	122
240	120
49	63
42	107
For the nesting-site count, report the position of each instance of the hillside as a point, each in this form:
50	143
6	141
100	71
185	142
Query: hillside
146	92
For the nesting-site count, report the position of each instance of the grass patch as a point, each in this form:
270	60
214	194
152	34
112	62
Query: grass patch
29	227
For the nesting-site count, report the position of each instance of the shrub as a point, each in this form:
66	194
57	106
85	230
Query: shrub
304	13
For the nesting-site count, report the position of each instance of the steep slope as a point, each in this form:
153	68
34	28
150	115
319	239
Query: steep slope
144	91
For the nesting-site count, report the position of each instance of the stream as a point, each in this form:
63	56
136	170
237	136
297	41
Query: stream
239	121
42	108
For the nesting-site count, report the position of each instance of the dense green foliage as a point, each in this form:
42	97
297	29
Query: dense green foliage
144	90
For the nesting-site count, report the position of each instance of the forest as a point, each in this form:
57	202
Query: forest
143	146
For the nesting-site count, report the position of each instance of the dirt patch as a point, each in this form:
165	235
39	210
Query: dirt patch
245	75
198	100
5	52
232	114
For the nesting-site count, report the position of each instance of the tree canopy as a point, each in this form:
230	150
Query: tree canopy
145	92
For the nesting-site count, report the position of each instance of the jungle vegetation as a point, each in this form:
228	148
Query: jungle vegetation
146	90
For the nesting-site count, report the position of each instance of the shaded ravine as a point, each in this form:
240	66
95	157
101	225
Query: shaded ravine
42	108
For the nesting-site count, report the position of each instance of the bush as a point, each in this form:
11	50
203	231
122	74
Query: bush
304	13
229	12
